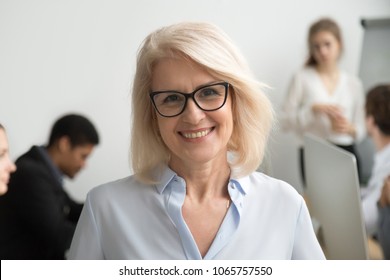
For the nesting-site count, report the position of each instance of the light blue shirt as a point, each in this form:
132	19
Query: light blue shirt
173	188
126	219
371	194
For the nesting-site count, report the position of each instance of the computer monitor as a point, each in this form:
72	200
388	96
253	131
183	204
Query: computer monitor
332	190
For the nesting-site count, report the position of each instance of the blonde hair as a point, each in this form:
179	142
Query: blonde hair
208	46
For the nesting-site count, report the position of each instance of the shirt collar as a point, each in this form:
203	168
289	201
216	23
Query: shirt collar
382	156
243	184
53	168
173	189
166	175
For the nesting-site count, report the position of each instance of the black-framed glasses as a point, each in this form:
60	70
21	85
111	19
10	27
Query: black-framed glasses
170	103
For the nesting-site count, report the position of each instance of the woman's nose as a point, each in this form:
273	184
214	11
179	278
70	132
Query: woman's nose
323	50
192	113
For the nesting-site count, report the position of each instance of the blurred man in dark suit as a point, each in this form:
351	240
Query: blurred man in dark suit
37	216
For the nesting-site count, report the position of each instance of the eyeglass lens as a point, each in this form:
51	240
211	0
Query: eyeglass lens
207	98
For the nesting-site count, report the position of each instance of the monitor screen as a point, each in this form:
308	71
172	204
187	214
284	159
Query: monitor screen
332	190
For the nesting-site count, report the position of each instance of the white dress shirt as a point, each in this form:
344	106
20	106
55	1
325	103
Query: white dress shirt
370	194
126	219
307	89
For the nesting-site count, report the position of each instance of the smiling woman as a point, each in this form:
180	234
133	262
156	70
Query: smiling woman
200	128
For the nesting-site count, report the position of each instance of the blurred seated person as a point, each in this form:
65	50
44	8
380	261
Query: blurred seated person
38	217
384	219
378	127
6	164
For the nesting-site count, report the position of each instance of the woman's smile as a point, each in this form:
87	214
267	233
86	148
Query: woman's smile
195	134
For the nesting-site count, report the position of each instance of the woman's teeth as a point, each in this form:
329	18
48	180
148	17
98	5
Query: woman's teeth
198	134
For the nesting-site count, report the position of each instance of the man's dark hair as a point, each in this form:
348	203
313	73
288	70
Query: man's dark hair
77	128
378	106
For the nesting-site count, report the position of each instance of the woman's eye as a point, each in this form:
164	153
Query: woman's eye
208	92
172	98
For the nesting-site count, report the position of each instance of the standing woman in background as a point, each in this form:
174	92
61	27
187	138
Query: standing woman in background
322	99
6	164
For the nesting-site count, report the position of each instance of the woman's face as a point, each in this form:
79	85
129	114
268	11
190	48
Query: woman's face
325	48
6	165
194	137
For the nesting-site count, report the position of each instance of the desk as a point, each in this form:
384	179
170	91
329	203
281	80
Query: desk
374	250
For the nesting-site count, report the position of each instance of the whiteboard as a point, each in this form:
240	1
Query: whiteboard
375	58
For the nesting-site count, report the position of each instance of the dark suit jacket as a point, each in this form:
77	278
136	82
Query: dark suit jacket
37	217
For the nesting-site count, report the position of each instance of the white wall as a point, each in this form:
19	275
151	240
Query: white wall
79	55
